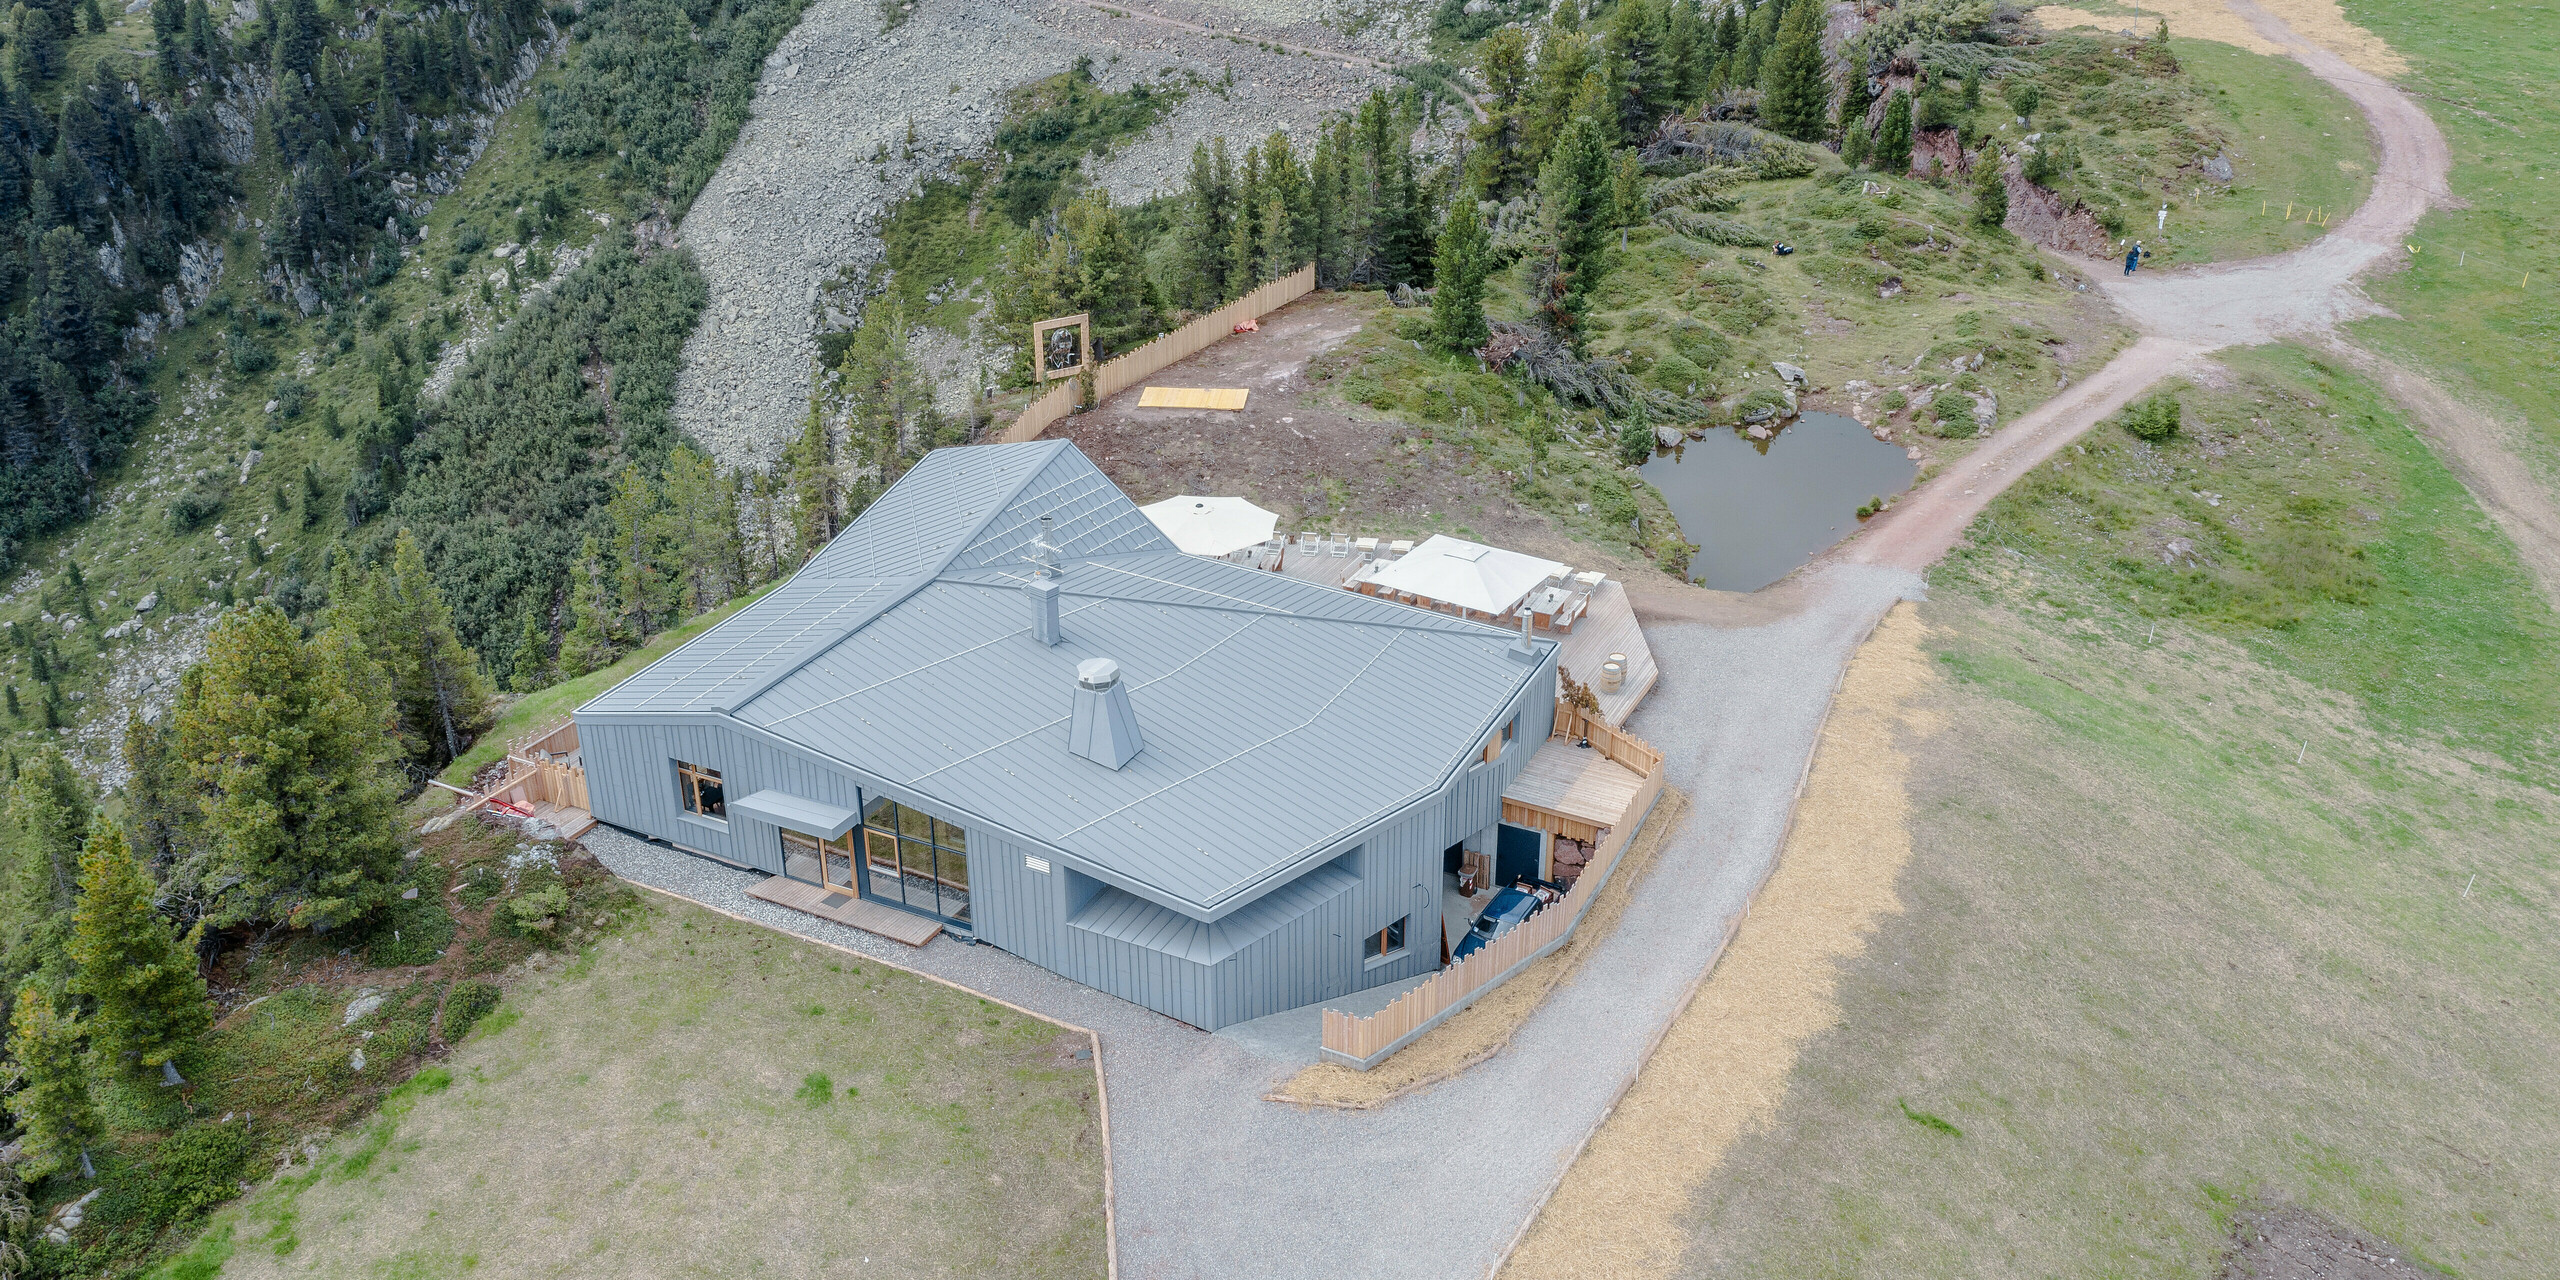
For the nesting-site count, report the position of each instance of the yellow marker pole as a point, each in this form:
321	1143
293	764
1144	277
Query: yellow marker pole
2288	211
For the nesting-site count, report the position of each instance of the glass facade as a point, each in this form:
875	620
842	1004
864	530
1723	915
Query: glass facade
898	855
915	860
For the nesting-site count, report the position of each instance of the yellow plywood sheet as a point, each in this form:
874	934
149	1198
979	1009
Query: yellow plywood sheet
1192	398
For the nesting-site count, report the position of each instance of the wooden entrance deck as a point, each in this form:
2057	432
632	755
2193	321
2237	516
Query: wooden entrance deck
846	909
1610	627
1581	785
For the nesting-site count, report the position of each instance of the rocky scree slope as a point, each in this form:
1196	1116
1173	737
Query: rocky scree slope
799	196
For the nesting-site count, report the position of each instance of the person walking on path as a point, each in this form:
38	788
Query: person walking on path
2133	257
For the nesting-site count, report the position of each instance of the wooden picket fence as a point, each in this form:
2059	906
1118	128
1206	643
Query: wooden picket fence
1122	372
1362	1043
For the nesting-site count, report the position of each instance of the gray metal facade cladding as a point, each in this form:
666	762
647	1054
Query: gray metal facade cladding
1309	751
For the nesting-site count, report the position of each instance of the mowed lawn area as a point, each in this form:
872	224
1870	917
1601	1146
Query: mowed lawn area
702	1097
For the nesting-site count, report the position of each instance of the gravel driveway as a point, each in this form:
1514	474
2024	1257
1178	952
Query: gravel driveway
1213	1181
798	196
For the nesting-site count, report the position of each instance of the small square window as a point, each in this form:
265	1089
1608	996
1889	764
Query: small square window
1385	942
1510	730
700	791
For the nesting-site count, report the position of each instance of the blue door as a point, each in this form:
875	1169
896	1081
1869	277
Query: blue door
1515	854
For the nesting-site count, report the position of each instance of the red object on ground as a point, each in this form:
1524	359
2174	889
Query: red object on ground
1250	326
503	807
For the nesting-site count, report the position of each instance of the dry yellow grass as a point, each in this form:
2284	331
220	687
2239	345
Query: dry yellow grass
1480	1030
1723	1066
2319	21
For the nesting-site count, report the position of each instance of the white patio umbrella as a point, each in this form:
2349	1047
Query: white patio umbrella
1470	575
1211	526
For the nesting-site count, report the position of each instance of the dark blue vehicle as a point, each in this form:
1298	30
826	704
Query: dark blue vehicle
1508	908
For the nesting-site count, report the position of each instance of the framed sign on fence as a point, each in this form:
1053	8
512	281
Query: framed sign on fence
1062	348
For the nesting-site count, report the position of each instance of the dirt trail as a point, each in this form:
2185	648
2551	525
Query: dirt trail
1922	527
2303	294
2473	445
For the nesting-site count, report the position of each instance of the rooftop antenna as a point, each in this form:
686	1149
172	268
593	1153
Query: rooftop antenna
1044	552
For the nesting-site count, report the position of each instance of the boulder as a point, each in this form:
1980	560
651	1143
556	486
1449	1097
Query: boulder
2218	168
1791	373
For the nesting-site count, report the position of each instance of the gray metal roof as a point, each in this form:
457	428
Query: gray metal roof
1281	717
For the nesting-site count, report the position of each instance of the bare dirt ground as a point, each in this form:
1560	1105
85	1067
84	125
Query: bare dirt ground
2283	1242
1297	451
1723	1067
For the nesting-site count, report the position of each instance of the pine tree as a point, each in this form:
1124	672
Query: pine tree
643	581
1564	60
149	1001
205	44
1111	285
1207	211
532	666
1574	194
1643	77
52	1103
1849	125
590	642
1796	92
1404	234
168	27
1627	206
1279	235
1460	263
701	525
443	696
48	811
1893	138
291	742
817	491
1990	189
159	803
1499	140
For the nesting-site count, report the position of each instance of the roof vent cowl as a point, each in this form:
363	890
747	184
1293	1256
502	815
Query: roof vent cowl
1103	728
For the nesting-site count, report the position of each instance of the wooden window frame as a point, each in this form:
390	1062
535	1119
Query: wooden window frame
1387	943
689	780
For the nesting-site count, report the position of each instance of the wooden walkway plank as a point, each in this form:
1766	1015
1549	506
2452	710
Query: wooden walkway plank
846	909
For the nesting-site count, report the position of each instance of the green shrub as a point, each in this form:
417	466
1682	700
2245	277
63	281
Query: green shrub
410	931
466	1005
1895	401
1954	412
2155	419
197	1168
1635	442
1675	373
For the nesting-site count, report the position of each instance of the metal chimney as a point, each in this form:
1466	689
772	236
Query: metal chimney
1103	728
1044	610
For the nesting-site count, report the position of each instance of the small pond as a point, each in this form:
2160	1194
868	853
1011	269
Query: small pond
1759	508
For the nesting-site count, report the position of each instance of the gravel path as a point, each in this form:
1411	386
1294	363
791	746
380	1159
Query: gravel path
2190	311
796	200
1213	1181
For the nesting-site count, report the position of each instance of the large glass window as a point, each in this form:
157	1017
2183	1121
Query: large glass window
699	789
915	860
826	862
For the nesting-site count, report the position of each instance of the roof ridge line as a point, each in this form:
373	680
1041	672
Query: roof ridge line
922	579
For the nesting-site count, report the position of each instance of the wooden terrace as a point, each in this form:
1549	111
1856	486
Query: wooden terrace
1605	625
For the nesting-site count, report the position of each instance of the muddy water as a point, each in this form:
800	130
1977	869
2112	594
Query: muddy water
1759	508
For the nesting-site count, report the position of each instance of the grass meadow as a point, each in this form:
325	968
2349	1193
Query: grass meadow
2237	885
702	1097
